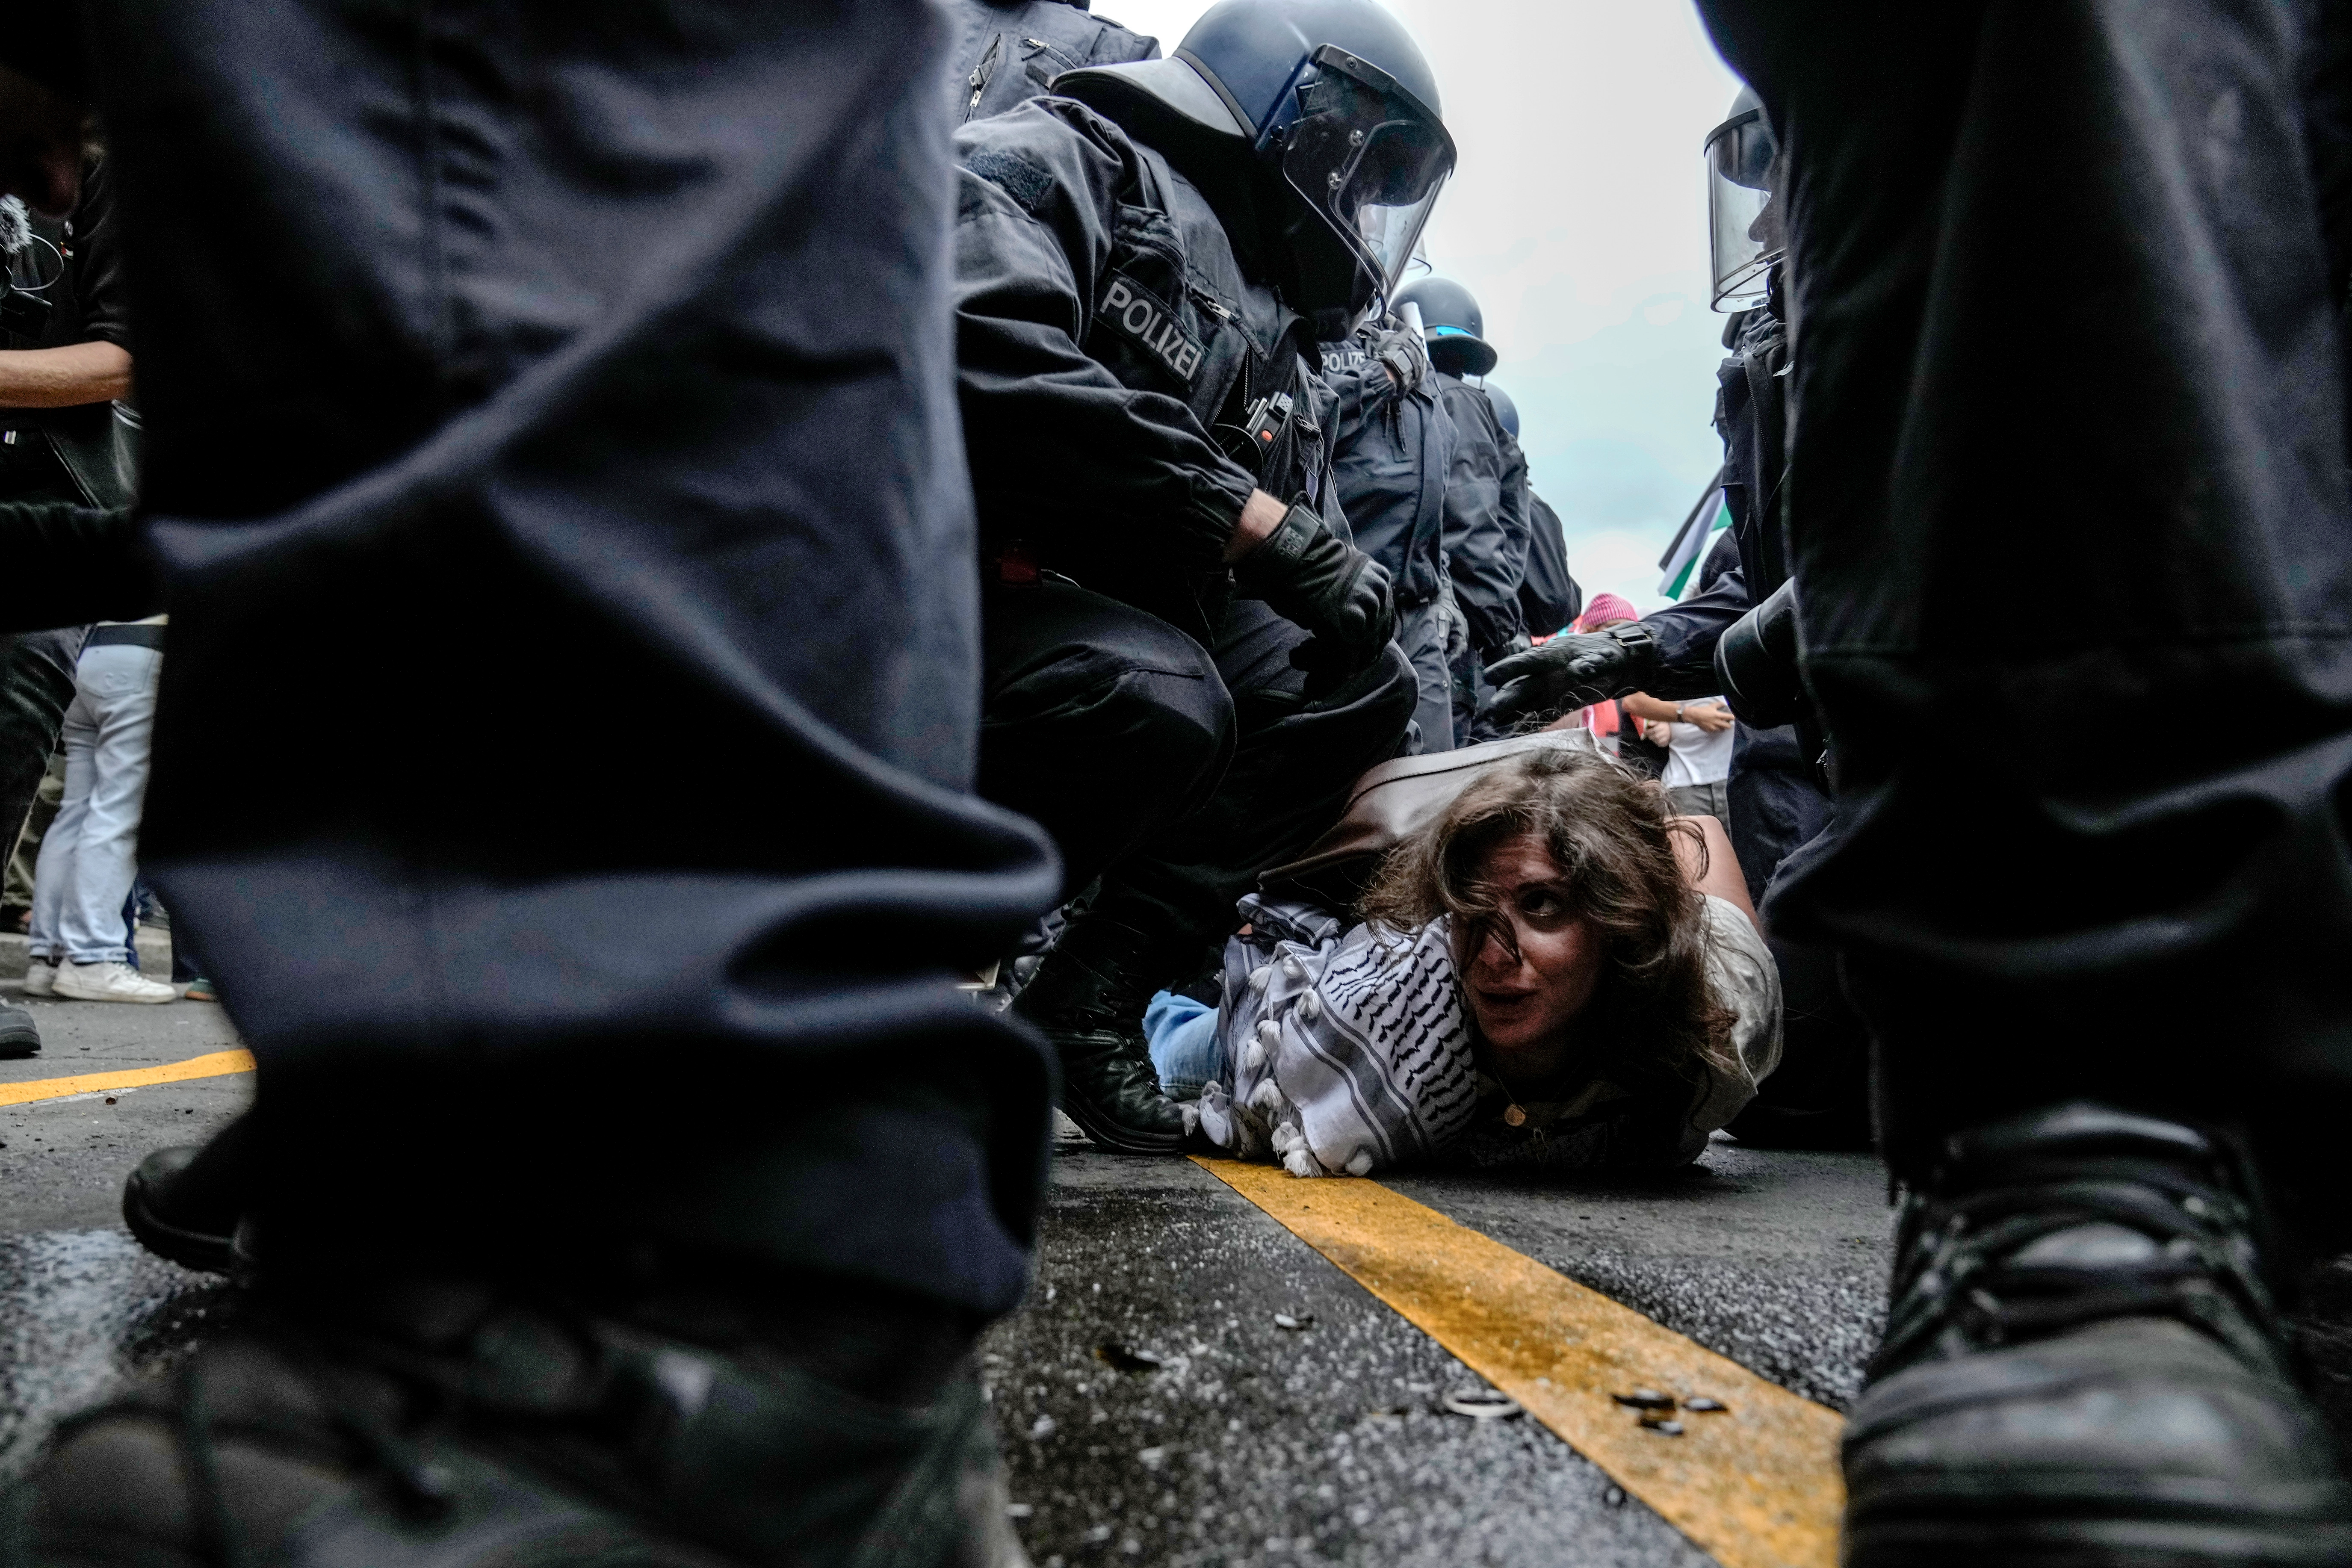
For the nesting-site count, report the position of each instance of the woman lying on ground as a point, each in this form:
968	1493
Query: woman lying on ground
1555	972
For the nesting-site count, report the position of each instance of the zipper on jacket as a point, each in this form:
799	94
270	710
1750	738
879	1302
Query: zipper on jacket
1043	77
978	81
1209	302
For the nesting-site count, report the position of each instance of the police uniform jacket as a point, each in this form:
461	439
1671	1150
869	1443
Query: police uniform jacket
1009	51
1392	447
1486	534
1549	597
1108	348
1750	414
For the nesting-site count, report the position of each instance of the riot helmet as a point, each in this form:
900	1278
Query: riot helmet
1455	326
1337	108
1748	226
1507	413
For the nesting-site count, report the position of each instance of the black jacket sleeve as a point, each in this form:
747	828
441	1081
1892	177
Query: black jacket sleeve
98	261
69	566
1548	596
1389	453
1056	441
1687	633
1482	555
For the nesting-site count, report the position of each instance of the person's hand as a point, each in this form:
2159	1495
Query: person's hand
1311	577
1712	716
1403	355
1573	671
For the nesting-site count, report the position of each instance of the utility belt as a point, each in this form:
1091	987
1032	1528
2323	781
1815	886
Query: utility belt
127	636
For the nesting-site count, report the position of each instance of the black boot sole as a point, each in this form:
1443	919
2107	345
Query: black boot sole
206	1253
2096	1543
1117	1139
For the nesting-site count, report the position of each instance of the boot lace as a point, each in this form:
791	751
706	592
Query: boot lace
1964	1284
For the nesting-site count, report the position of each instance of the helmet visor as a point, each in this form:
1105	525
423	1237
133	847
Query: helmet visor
1368	161
1743	215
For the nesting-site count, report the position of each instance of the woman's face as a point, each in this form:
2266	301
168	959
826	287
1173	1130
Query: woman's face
1525	1004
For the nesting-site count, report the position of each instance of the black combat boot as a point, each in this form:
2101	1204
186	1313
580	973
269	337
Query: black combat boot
183	1202
18	1038
1088	998
2082	1366
442	1425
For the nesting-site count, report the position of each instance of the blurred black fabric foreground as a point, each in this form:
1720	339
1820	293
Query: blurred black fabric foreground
599	376
2032	907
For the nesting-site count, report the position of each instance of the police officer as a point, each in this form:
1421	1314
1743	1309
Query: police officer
1485	522
1394	444
1779	793
1188	659
2108	1155
1550	596
1006	52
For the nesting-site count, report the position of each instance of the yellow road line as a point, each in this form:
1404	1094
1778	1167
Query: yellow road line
218	1065
1756	1487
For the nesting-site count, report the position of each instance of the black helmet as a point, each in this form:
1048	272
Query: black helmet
1452	322
1507	413
1744	221
1337	105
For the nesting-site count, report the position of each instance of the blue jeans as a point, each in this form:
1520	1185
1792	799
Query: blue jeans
1186	1050
89	858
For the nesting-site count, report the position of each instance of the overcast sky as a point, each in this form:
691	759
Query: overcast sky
1578	217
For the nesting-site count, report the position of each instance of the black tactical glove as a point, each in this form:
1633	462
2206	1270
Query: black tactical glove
1309	577
1403	355
1572	671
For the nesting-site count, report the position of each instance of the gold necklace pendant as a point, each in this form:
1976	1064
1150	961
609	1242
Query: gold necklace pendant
1517	1116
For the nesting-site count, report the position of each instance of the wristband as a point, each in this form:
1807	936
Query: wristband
1287	545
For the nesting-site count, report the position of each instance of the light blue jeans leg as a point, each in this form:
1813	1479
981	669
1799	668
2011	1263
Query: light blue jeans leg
1185	1050
53	868
118	682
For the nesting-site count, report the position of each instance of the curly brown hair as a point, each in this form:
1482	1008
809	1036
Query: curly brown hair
1653	1015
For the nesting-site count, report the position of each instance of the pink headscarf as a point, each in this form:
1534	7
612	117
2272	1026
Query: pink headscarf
1604	610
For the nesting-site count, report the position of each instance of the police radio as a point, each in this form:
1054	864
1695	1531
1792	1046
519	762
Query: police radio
1254	440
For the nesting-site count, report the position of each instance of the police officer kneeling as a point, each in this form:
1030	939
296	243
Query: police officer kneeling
1187	660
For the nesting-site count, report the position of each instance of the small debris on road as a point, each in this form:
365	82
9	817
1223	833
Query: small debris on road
1646	1399
1615	1497
1152	1457
1126	1360
1664	1428
1707	1406
1284	1320
1044	1428
1482	1403
1018	1511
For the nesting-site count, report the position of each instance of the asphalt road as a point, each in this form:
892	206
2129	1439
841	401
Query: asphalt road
1154	1409
81	1306
1253	1443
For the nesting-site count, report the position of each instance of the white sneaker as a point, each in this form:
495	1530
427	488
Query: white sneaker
111	982
41	977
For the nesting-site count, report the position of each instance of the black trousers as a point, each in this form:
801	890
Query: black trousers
544	367
37	669
2069	513
1175	773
